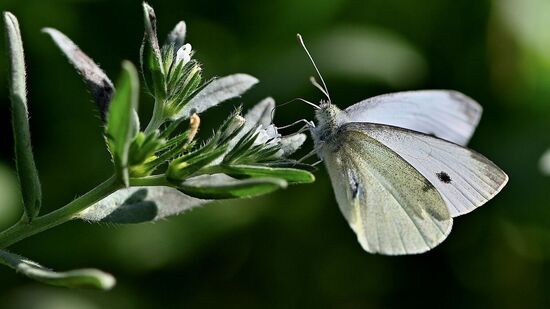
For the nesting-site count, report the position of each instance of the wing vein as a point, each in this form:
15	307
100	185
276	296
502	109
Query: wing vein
398	202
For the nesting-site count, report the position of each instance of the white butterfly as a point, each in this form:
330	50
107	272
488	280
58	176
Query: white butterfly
398	166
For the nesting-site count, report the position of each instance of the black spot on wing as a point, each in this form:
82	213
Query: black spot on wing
444	177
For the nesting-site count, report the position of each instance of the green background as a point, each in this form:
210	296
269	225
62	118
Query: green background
292	248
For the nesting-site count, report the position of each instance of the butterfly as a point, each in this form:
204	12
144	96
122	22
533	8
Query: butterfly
399	166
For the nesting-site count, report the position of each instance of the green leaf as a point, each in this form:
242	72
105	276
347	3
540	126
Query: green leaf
100	86
121	119
291	175
24	160
140	204
200	188
149	204
151	56
81	278
217	91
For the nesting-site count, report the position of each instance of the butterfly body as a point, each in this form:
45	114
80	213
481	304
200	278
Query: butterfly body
329	119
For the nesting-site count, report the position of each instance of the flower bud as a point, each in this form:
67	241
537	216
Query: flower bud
177	36
234	125
194	123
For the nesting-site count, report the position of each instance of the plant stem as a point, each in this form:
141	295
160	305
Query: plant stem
209	170
23	229
151	181
157	119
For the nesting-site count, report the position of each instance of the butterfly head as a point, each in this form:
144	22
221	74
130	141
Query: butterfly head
327	112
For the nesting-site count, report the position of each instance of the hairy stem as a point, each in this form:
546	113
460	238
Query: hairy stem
23	229
157	119
151	181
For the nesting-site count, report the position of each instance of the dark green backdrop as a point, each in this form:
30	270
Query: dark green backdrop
293	248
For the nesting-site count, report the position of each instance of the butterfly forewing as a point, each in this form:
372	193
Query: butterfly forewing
465	178
392	208
449	115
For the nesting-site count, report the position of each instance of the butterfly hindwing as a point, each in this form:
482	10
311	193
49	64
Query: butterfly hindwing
391	207
446	114
464	178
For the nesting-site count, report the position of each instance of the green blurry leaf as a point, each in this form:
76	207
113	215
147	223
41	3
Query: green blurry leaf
36	296
81	278
151	56
99	85
519	45
24	160
10	197
370	54
231	189
140	204
217	91
291	175
544	163
121	123
527	21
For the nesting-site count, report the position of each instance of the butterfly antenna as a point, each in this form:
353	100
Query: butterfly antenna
290	101
318	86
301	40
301	100
307	124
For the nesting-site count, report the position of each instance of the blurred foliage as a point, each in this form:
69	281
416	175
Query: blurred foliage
293	248
10	197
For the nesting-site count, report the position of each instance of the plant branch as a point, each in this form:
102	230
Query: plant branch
23	229
209	170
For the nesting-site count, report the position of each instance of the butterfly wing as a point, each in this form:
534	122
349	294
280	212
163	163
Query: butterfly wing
465	178
391	207
449	115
